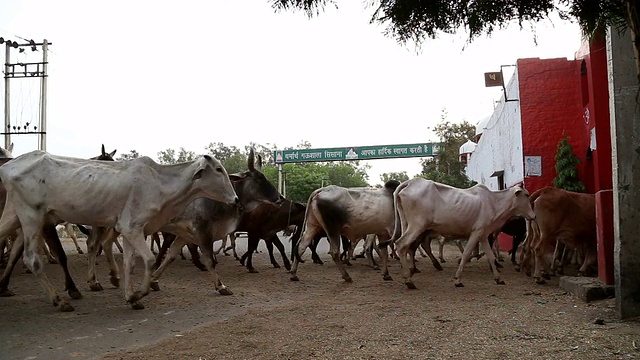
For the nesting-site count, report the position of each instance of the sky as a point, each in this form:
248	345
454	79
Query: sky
152	75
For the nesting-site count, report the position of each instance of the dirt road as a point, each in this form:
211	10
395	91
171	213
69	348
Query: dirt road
270	317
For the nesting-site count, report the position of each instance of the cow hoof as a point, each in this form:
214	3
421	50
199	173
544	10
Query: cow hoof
438	266
225	291
319	262
580	273
416	271
276	265
294	278
253	271
80	252
6	293
74	294
387	277
53	261
516	268
202	267
65	306
500	282
376	267
546	276
115	281
287	267
498	265
540	281
155	286
348	263
359	256
137	305
225	254
458	284
410	285
96	287
443	260
348	279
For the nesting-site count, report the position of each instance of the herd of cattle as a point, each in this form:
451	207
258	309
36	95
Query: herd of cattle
197	203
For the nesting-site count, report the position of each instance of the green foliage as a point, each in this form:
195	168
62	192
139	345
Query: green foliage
169	156
566	170
300	179
416	21
446	167
131	155
400	176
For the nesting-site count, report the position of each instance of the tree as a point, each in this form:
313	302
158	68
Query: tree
566	170
446	167
131	155
168	156
400	176
416	21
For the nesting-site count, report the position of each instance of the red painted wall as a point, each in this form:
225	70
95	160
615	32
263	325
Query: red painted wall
550	104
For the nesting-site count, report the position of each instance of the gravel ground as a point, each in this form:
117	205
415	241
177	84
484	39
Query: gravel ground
270	317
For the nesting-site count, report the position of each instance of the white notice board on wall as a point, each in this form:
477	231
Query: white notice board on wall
533	166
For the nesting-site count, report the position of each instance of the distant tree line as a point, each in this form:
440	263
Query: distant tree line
301	179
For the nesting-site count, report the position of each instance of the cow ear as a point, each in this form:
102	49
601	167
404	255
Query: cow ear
518	192
202	165
235	177
112	153
104	153
10	148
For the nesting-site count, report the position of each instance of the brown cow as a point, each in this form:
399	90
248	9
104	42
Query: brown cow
563	216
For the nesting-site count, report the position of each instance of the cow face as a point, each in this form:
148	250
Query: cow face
211	178
252	185
522	206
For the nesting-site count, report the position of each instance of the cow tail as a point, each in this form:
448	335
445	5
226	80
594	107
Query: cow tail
397	223
296	244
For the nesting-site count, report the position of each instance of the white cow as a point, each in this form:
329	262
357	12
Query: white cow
352	213
424	207
134	197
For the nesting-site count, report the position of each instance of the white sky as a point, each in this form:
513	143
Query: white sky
152	75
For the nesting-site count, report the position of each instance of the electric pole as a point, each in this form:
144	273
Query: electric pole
20	70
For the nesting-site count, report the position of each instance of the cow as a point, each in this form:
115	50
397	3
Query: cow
264	222
353	213
517	228
423	207
52	241
563	216
133	197
204	221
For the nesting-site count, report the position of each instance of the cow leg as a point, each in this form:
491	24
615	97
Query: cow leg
47	252
32	224
493	263
368	247
441	242
224	243
115	241
68	227
109	238
278	244
210	263
517	239
252	245
472	244
314	253
94	240
334	251
404	248
301	246
384	256
195	256
269	244
232	246
134	242
426	245
538	254
15	254
53	241
175	247
346	247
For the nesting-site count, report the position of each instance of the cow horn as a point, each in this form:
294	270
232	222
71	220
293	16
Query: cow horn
250	160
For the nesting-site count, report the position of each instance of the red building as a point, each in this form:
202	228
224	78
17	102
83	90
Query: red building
558	97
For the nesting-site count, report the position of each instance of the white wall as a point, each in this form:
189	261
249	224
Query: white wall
500	147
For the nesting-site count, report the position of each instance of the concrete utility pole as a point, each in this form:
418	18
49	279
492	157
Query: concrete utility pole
625	151
25	70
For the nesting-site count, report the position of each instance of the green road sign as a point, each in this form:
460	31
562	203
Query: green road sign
357	153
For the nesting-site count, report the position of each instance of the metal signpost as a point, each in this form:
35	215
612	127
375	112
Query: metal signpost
353	153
